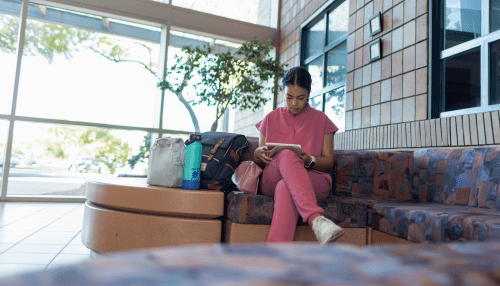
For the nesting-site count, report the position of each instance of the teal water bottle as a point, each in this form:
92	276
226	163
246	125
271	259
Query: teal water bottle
192	162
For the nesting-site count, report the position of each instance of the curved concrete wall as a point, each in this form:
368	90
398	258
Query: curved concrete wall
135	195
106	230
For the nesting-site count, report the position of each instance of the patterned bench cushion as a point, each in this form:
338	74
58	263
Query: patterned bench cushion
258	209
432	222
466	176
382	174
293	264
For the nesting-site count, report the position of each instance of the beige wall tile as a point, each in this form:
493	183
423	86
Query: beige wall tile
397	87
421	54
397	39
365	116
409	84
409	33
386	44
422	28
385	113
349	100
421	79
358	58
377	6
396	111
348	120
421	107
375	96
375	115
366	96
351	41
367	74
352	6
357	98
376	70
387	5
356	119
397	63
422	7
349	82
397	15
358	78
387	21
386	90
359	39
409	109
368	12
366	55
386	67
409	59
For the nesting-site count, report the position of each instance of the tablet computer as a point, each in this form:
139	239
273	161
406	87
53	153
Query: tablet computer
277	147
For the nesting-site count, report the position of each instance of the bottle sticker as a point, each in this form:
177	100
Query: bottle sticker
203	167
196	173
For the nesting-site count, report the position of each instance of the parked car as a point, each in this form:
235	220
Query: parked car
13	160
87	165
23	159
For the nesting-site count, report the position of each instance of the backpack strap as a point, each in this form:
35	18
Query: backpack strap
212	152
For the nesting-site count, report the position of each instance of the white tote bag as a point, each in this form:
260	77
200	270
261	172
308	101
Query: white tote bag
166	163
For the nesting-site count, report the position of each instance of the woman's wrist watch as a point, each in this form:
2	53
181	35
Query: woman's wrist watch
313	161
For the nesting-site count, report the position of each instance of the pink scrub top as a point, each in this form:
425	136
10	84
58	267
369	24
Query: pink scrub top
308	128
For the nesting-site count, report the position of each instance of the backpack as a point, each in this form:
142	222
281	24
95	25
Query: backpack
220	155
166	163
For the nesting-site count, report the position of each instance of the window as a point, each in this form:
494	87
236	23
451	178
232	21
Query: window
253	11
9	25
468	50
324	54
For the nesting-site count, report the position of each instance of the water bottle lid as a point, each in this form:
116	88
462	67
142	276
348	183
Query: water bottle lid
193	137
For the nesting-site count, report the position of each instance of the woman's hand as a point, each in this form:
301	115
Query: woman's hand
306	158
262	154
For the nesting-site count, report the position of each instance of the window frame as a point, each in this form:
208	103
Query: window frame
321	14
438	54
151	13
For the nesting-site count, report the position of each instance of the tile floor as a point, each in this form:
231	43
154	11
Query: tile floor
39	236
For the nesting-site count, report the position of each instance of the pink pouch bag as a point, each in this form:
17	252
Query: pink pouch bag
246	177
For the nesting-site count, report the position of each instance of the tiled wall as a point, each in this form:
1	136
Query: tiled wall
386	100
385	91
245	122
466	130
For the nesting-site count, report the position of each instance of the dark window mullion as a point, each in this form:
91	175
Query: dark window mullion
324	57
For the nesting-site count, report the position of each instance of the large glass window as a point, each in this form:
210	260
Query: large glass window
463	85
462	21
252	11
50	159
494	73
324	55
82	75
4	128
9	28
468	81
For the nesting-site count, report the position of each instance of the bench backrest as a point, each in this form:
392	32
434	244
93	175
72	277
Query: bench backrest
464	176
383	174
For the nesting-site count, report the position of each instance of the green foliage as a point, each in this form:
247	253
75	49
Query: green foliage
100	144
229	79
41	38
143	152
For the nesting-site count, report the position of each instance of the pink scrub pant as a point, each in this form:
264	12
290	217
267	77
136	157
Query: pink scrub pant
295	190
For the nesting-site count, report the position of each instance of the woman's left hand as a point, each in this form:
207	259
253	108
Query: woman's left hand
306	158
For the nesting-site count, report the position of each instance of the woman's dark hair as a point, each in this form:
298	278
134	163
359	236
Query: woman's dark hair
298	76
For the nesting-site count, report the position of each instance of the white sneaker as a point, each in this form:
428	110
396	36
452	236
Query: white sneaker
326	230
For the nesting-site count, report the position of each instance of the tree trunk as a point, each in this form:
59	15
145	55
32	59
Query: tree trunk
190	110
214	126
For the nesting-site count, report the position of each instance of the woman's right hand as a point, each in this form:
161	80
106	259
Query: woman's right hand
261	154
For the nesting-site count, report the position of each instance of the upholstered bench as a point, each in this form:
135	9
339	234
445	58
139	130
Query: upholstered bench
431	195
452	264
127	214
367	173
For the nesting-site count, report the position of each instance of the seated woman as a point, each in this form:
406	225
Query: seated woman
296	181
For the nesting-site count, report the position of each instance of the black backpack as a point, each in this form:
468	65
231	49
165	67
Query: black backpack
220	155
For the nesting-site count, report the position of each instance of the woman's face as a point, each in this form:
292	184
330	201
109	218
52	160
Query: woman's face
296	98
